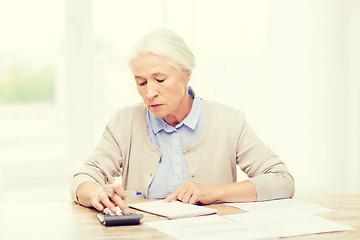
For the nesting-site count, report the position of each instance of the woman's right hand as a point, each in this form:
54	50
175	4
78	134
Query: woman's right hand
108	196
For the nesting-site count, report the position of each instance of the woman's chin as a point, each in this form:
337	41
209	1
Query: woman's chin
158	114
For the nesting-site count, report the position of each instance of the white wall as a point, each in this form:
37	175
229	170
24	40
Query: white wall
301	87
302	96
313	66
78	86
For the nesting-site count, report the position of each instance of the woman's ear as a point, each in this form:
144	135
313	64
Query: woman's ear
187	75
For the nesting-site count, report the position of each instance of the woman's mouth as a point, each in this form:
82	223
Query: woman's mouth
155	106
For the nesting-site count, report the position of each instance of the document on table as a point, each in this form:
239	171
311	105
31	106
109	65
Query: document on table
207	228
287	223
174	209
281	204
255	225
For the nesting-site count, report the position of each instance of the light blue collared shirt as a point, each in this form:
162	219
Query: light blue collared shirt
172	169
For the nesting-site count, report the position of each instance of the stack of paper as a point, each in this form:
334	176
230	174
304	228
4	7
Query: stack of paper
271	219
287	223
207	228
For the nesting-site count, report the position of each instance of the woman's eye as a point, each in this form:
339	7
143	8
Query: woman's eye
141	83
160	80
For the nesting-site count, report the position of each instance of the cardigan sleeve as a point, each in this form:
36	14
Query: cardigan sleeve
266	171
104	164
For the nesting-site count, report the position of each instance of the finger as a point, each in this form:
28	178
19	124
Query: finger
110	192
104	198
108	189
194	198
171	197
181	194
95	201
122	205
186	196
119	190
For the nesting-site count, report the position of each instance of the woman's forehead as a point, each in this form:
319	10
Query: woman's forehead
151	64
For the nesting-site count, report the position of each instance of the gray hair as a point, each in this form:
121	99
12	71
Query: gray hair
168	44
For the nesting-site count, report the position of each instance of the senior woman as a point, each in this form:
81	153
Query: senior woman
178	146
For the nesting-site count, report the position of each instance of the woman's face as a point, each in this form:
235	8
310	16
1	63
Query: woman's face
161	86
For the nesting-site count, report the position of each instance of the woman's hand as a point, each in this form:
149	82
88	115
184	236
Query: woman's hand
193	192
108	196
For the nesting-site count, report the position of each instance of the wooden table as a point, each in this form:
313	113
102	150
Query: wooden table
66	220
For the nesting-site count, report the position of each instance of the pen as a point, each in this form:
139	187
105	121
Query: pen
129	193
132	193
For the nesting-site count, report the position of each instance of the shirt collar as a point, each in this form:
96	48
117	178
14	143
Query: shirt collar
191	120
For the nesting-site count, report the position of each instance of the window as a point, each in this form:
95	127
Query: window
31	138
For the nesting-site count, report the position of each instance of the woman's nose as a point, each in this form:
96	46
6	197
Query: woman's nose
151	91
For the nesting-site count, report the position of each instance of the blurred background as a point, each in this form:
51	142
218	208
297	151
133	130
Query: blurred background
292	66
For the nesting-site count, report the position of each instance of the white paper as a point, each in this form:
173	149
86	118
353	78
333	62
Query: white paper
287	223
207	227
281	204
175	209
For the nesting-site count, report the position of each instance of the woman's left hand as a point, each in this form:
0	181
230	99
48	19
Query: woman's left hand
193	192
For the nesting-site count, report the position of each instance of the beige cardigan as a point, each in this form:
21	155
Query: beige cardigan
125	149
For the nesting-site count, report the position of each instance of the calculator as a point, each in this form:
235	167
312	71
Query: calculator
108	218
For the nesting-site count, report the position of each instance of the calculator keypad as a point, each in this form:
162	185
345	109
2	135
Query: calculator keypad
109	218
